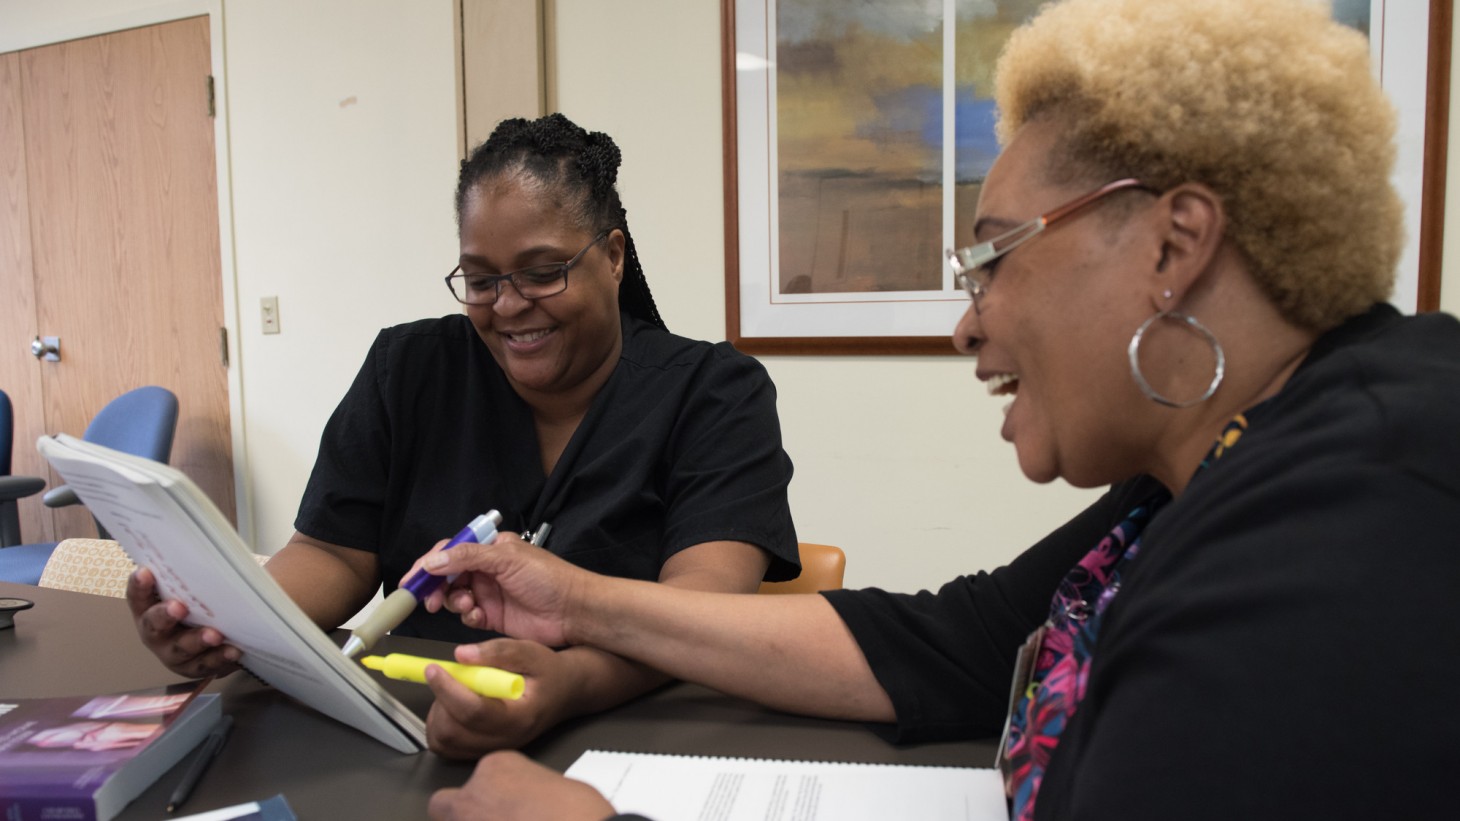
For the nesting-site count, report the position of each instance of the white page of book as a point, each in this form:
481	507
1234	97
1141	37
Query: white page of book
690	788
166	524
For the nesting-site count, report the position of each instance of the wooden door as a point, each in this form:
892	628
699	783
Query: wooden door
19	376
123	224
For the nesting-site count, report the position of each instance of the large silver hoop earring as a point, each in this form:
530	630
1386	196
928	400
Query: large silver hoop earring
1134	349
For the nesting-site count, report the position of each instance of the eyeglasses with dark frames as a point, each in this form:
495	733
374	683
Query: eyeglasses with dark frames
534	282
973	267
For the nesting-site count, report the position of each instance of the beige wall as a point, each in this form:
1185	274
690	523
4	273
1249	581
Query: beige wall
339	152
898	460
344	145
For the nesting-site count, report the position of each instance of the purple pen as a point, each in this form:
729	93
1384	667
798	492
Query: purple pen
389	614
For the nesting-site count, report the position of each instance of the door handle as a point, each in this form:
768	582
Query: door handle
47	348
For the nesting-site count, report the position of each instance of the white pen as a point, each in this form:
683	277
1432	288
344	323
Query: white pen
389	614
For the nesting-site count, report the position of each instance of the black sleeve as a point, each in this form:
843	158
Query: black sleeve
730	474
946	659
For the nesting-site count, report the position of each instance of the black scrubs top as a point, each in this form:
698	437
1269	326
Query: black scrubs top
681	446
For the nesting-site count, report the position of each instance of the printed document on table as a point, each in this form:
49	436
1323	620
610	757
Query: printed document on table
691	788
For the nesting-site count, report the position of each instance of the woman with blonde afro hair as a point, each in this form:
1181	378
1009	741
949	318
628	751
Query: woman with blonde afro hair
1288	129
1178	283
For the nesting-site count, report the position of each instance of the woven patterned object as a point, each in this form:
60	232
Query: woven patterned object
96	566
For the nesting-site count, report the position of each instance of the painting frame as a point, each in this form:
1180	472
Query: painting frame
1434	174
740	314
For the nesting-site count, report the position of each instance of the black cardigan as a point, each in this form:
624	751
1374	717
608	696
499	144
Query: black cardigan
1287	642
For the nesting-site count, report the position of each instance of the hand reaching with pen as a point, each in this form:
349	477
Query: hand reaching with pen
195	652
436	599
512	587
508	785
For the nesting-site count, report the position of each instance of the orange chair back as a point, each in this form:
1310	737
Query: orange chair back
822	568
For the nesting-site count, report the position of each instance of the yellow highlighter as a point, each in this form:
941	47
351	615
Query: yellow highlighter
484	681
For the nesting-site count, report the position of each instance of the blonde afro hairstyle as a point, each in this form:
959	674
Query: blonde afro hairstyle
1270	103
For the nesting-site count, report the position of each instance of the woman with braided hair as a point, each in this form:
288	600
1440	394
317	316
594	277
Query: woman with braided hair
558	398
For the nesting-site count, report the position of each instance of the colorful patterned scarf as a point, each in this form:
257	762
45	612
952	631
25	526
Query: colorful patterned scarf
1062	667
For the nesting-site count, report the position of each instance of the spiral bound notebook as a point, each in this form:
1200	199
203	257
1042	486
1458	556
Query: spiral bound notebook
695	788
165	523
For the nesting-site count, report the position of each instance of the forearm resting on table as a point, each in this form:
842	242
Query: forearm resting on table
789	652
606	680
330	583
602	680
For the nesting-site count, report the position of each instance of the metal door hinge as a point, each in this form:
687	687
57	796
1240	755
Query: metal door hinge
212	105
223	346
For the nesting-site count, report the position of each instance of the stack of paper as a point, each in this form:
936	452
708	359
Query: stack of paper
688	788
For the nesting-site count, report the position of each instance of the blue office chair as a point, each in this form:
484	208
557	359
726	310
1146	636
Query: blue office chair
141	422
12	488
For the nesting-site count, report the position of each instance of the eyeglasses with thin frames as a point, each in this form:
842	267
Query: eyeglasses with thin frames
534	282
973	267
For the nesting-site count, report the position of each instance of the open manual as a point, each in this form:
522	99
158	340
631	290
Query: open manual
165	523
692	788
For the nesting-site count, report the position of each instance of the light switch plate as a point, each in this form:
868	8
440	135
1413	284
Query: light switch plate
269	314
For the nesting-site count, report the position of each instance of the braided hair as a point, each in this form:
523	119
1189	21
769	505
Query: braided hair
580	168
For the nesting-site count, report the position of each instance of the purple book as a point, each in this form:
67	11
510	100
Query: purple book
84	758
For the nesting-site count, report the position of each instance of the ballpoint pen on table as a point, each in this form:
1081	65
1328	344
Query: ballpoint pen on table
389	614
209	751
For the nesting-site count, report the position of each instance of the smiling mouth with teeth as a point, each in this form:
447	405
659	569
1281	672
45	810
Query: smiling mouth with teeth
530	336
1004	384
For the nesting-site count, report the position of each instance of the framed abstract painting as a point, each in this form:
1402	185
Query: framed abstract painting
857	136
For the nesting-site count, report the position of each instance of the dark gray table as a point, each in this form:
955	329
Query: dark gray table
74	643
